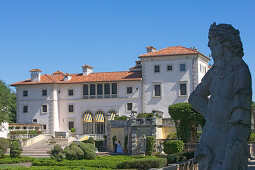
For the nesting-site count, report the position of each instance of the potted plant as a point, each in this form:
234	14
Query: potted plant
73	130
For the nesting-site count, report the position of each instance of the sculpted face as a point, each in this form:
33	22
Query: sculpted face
216	50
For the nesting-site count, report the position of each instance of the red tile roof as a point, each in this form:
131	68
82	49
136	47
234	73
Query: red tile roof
170	51
79	78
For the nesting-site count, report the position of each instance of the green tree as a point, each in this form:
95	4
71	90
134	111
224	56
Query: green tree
186	121
7	103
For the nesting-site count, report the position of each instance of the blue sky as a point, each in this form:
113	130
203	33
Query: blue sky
109	35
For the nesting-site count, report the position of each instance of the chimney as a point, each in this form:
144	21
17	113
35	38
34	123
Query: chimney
67	77
35	75
87	70
150	49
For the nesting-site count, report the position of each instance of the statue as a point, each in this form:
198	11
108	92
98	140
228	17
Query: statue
224	98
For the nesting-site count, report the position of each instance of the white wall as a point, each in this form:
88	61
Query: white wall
57	117
169	80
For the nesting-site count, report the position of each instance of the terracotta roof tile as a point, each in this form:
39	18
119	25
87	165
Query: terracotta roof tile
169	51
92	77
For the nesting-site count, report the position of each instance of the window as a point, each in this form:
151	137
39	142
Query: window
34	120
129	90
44	108
182	67
129	106
169	67
44	92
25	109
92	89
70	125
70	108
25	93
157	90
114	88
44	127
70	92
100	89
183	89
85	89
107	90
156	69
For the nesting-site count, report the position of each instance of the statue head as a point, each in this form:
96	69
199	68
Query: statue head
224	36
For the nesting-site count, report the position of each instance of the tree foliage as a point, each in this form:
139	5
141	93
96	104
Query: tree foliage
7	103
186	121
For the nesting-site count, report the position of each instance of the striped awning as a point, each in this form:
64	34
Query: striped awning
99	117
87	117
111	115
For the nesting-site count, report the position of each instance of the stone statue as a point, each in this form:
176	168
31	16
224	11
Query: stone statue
141	146
224	98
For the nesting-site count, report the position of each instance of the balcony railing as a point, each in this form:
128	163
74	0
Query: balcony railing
100	96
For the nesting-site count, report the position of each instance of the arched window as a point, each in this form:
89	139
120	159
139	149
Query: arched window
87	123
99	122
111	115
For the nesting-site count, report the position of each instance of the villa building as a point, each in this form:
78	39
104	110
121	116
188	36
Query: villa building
87	100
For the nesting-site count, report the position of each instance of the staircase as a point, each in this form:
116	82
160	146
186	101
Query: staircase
40	149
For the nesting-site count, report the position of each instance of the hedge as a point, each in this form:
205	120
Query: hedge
145	163
99	162
8	160
178	157
173	146
31	132
57	168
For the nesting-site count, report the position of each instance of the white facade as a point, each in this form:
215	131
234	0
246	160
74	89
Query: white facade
156	90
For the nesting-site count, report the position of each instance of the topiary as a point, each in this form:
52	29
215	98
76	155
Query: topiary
172	135
56	153
173	146
91	140
186	121
79	152
150	144
73	144
88	150
15	149
4	144
70	154
73	130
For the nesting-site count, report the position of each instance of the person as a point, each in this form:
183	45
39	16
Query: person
115	146
119	149
224	99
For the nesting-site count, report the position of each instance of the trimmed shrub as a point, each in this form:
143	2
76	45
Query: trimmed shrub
4	144
145	163
125	142
173	146
73	144
91	140
150	145
79	152
146	115
88	150
172	135
70	154
15	149
120	118
178	157
56	153
73	130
